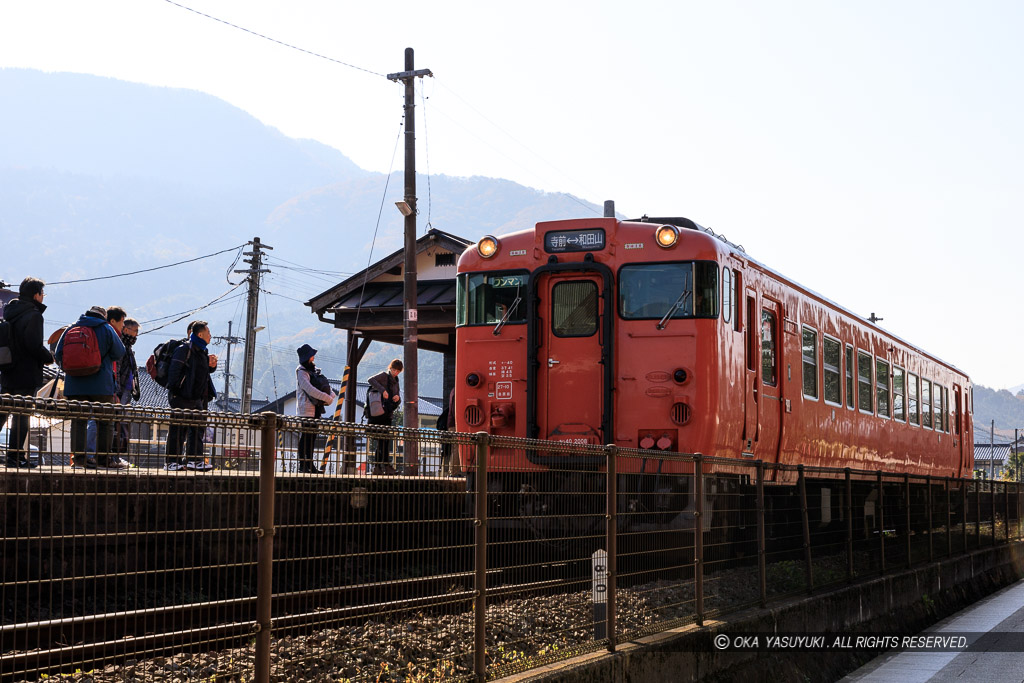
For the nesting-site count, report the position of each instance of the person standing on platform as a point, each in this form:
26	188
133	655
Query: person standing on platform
313	394
25	373
75	355
190	387
385	384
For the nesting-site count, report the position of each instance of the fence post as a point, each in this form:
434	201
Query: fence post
265	545
762	570
963	513
849	525
802	484
906	507
611	531
931	546
977	514
881	519
1006	511
480	558
698	537
949	522
992	505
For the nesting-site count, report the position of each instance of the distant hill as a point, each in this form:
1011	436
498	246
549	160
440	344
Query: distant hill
1005	408
99	177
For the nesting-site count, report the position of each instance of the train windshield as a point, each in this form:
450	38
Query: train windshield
490	298
656	291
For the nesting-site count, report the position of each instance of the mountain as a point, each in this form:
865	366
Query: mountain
1006	408
100	177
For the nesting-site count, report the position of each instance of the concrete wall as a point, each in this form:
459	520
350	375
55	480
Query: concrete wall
901	603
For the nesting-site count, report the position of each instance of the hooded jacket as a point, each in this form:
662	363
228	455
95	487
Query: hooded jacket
30	355
102	382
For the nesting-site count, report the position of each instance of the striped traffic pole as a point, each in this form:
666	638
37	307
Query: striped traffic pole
337	417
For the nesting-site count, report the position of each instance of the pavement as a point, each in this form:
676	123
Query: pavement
994	632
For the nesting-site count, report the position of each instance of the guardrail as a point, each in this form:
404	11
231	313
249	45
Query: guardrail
255	570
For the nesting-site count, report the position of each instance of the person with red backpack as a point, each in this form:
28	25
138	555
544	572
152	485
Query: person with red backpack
87	352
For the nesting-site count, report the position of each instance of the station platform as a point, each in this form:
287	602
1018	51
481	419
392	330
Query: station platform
993	629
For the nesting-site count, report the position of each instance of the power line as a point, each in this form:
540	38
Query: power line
195	310
147	270
273	40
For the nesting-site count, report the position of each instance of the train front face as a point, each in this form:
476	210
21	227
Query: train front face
591	332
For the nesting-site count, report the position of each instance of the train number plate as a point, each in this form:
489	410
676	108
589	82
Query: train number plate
503	390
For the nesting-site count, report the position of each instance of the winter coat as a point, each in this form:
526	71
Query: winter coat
193	376
30	355
304	390
101	382
385	381
126	377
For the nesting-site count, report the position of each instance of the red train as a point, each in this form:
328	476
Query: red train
657	334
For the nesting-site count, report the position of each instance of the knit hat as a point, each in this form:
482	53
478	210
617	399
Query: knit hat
98	310
306	352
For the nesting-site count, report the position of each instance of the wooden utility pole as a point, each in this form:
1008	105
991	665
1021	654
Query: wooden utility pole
253	272
229	339
410	339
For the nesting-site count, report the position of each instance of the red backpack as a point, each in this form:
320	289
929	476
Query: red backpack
80	355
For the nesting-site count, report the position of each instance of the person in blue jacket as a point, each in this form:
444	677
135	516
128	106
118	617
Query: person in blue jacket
99	387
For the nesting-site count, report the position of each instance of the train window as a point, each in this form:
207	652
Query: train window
899	394
865	396
574	308
882	386
810	362
487	298
937	410
652	291
849	377
751	348
727	299
830	364
913	399
768	327
926	404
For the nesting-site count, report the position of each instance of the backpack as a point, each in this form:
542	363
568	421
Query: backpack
159	364
80	355
320	383
6	346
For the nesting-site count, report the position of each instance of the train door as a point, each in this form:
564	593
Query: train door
752	357
770	387
958	438
572	389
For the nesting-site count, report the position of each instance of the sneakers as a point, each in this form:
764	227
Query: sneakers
200	466
174	466
88	463
115	464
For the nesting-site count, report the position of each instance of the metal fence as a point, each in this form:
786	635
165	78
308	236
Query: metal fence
465	557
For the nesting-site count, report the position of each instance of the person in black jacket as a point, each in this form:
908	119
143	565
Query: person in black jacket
189	387
385	384
25	376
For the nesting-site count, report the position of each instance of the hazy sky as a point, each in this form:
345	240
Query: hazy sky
871	150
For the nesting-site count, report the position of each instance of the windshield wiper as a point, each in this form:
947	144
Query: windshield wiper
508	314
663	323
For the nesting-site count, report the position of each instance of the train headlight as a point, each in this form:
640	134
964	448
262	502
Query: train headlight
666	236
680	376
472	379
487	247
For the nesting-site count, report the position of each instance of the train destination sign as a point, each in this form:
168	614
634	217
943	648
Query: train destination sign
559	241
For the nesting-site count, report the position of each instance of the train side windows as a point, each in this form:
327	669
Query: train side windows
768	327
849	377
736	299
882	387
899	394
937	408
947	410
865	393
727	298
830	363
574	309
913	399
810	362
751	335
926	404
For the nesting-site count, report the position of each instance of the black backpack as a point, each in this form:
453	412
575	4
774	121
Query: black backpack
159	364
6	346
